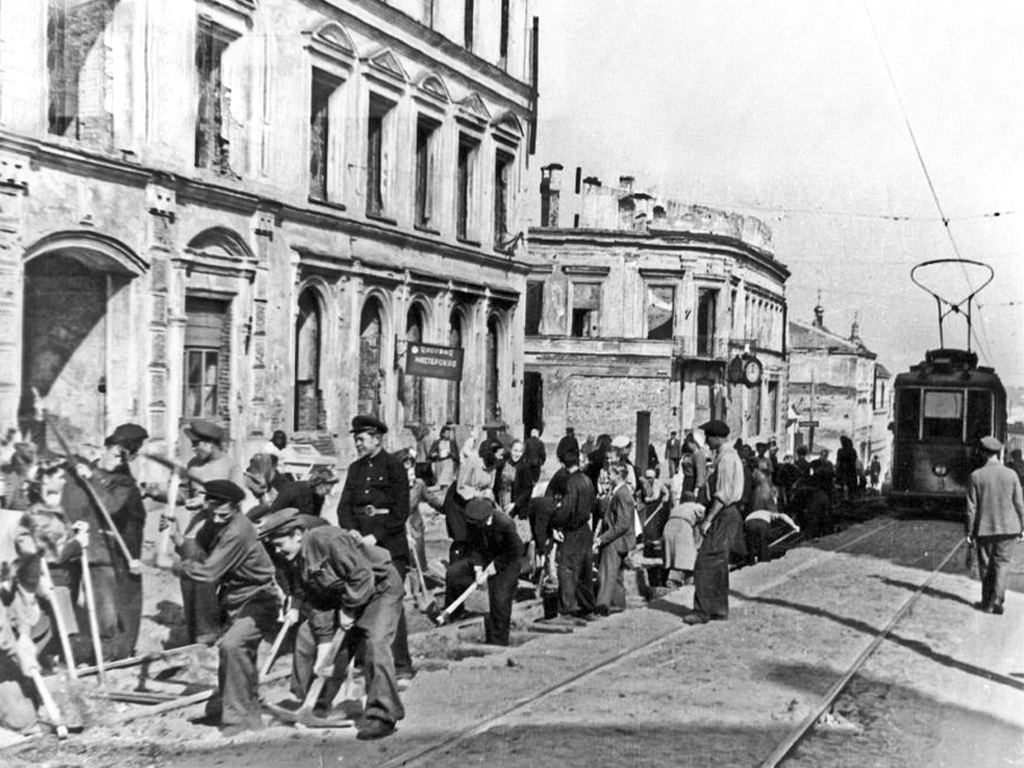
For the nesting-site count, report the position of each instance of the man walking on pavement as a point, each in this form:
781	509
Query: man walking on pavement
345	583
241	570
995	520
673	452
722	526
375	503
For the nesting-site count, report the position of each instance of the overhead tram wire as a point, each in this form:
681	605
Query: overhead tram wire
931	186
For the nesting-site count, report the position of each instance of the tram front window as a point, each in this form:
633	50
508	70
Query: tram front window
979	415
908	412
943	415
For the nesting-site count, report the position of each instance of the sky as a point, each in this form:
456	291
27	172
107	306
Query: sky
784	109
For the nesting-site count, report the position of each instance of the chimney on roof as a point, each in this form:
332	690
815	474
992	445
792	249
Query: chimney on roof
855	329
550	192
626	183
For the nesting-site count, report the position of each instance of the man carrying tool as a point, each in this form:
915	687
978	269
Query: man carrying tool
375	503
995	520
210	463
240	568
118	592
491	538
721	527
346	583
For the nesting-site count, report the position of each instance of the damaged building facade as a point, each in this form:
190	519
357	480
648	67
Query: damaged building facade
638	305
837	387
249	212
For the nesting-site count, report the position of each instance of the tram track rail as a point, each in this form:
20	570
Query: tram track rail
419	756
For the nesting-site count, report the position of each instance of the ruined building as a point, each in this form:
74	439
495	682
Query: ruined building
837	387
638	304
249	211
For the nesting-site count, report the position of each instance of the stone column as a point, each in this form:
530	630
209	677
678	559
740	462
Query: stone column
13	187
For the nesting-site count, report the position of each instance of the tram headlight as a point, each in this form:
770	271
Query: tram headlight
940	470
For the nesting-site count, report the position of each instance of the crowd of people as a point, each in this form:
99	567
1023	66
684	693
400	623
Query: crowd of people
252	547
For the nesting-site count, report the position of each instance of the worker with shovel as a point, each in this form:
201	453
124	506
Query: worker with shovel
491	538
347	584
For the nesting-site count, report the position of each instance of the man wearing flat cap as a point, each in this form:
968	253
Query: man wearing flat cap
306	495
210	462
491	540
722	527
375	503
118	591
240	569
995	522
349	584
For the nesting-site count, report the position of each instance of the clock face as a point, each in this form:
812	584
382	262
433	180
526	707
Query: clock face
752	371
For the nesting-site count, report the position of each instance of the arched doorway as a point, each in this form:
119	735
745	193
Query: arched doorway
76	340
455	387
492	376
371	373
413	394
308	336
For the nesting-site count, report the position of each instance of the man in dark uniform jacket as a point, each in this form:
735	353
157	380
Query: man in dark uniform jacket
375	502
118	592
574	556
243	573
491	540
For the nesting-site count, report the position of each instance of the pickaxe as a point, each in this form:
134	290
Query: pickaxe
443	617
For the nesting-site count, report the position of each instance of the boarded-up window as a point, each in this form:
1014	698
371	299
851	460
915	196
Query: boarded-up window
661	303
207	354
586	309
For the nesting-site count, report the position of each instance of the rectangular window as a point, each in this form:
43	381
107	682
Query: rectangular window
78	63
661	311
773	406
586	310
707	309
754	401
908	413
943	415
376	156
321	167
468	23
503	39
426	135
465	187
212	146
979	414
207	349
534	306
502	177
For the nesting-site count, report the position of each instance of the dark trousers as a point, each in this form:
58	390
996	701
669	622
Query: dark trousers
758	533
994	555
202	611
711	569
576	573
400	648
501	591
611	589
238	697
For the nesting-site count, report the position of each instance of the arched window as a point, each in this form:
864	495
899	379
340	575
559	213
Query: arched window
413	385
308	394
491	405
454	387
371	375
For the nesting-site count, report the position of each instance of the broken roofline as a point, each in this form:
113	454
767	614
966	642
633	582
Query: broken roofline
660	240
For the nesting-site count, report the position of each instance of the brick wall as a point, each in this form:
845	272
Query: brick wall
607	404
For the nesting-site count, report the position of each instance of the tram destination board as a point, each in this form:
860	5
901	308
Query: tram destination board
434	361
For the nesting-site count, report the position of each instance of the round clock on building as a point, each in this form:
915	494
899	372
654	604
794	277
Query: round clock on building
752	370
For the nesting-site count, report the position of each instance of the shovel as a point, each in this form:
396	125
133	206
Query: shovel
424	599
50	705
442	618
58	617
304	714
94	624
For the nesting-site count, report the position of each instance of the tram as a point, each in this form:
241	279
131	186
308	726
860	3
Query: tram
943	407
